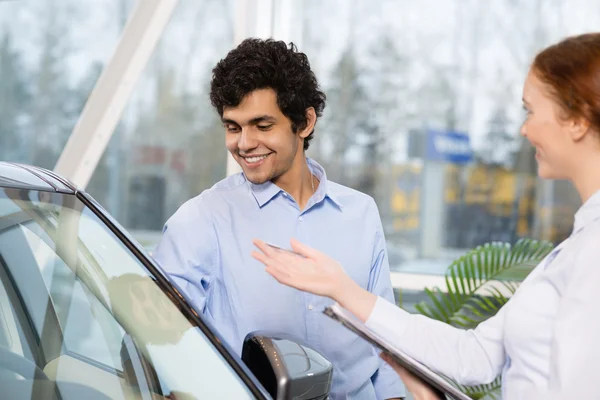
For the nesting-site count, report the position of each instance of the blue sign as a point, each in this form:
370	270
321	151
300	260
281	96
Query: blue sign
452	147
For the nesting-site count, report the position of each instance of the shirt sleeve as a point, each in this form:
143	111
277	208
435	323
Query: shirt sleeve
187	251
470	357
575	352
386	381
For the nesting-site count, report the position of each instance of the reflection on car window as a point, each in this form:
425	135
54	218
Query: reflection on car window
100	319
88	329
11	334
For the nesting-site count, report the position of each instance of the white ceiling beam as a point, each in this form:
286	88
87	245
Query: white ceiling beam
113	89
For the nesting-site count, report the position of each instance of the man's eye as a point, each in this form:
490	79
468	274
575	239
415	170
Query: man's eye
231	128
265	127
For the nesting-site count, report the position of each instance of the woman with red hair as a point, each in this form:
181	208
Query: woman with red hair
545	342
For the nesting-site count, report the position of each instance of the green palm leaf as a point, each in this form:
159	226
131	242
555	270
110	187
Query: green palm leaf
489	391
467	300
461	304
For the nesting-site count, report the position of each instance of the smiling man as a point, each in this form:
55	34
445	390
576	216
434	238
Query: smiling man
269	101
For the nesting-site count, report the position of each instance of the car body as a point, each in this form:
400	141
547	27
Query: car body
86	313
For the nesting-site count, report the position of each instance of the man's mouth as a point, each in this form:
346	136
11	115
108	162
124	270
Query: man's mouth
254	160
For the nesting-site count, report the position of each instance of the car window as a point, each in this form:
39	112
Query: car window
89	329
97	317
11	334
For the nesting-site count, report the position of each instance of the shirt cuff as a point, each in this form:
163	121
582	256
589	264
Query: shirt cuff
388	320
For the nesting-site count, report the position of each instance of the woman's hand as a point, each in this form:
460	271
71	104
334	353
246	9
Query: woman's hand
312	271
308	270
414	385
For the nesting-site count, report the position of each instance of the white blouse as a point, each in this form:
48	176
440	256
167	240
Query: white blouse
545	341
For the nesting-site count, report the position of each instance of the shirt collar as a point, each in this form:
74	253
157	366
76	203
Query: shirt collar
265	192
588	212
324	189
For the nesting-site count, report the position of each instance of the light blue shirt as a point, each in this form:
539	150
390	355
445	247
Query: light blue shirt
206	246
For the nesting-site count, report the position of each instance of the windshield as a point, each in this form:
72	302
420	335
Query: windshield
79	306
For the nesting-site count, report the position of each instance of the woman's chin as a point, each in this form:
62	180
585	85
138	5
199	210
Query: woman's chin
546	172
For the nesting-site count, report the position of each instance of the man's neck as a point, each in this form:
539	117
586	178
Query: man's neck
298	182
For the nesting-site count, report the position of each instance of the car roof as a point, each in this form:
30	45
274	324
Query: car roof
23	176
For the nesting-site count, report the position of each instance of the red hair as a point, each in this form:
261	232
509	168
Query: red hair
571	68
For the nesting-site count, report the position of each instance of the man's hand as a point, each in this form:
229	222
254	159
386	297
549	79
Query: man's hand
419	390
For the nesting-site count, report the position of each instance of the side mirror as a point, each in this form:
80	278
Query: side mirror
286	368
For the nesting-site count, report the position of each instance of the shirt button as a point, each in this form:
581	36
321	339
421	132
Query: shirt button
310	307
300	219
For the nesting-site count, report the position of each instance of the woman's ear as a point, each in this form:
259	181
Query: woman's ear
578	128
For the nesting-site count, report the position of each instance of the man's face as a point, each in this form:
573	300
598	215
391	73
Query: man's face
260	137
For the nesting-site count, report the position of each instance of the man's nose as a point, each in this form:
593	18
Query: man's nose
247	140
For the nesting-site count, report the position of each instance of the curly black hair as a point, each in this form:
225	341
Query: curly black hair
260	64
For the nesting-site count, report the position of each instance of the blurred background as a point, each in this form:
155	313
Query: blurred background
423	110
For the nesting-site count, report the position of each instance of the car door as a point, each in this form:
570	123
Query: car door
96	317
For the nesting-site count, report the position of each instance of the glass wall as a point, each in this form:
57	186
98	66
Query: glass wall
423	113
169	145
51	54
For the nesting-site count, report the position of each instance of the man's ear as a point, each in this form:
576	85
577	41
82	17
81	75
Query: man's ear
311	120
578	127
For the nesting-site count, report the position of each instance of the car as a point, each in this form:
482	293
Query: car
86	313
